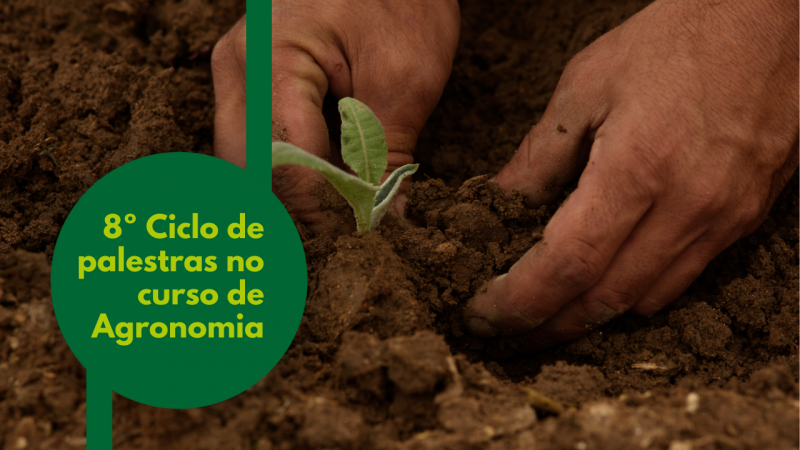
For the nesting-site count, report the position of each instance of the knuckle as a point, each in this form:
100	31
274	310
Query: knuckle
749	212
649	306
722	196
609	303
578	67
655	162
752	208
585	68
526	162
768	152
230	49
708	200
579	263
640	159
525	315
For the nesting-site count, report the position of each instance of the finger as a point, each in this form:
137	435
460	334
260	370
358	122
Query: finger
737	217
299	86
658	240
578	245
229	71
680	274
554	152
298	89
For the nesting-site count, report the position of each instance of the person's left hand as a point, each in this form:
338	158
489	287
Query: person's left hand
692	108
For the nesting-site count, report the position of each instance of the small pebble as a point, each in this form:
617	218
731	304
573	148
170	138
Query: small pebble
692	402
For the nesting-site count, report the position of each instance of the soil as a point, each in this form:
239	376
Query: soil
110	81
381	359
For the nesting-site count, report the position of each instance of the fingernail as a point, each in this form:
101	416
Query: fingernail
482	327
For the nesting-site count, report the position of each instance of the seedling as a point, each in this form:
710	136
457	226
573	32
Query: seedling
364	150
50	149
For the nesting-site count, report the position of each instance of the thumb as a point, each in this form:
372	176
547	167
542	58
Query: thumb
555	151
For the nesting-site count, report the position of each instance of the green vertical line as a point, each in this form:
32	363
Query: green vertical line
259	92
98	411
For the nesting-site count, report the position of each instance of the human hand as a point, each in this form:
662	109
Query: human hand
395	56
692	108
229	69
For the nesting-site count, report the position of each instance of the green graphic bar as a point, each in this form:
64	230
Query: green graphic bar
98	412
259	93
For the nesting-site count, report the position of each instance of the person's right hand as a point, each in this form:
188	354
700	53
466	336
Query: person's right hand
395	56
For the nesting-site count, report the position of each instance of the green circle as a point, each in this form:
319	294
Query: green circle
158	369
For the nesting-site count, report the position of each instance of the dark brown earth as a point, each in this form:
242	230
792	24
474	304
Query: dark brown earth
381	359
111	80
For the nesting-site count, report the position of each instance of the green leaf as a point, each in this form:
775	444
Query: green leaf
359	194
363	140
384	197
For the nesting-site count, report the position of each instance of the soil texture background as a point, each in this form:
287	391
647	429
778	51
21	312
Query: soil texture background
381	360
